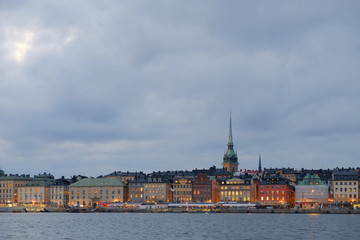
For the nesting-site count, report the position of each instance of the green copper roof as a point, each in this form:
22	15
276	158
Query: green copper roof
311	179
98	182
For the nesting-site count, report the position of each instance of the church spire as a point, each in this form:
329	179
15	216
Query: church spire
230	143
260	162
230	160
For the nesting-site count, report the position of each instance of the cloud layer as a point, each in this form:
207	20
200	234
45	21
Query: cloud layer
89	88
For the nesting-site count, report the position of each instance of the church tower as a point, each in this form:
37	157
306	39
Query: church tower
259	169
230	161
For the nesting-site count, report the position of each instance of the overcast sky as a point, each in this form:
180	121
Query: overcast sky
90	88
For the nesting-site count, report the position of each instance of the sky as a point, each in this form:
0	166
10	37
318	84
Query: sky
92	87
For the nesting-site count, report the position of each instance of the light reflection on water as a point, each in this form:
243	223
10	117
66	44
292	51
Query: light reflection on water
177	226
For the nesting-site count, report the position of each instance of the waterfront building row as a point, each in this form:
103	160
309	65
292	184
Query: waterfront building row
183	186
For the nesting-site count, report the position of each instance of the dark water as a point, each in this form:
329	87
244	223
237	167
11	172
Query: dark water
177	226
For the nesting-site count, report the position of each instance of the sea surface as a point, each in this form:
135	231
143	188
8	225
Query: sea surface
177	226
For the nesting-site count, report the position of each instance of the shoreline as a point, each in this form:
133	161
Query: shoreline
136	210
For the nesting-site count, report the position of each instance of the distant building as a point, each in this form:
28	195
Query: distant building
288	173
344	185
126	176
158	189
205	189
230	160
91	192
136	190
325	175
9	185
35	192
235	190
212	171
276	191
311	192
182	188
60	192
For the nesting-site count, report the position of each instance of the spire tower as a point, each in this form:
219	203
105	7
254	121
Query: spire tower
230	160
260	169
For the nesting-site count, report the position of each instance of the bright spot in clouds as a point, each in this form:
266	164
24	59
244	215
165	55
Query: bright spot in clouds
20	48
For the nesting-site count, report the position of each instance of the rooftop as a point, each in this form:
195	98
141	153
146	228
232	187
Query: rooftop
98	182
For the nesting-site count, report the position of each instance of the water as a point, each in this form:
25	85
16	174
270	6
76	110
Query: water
177	226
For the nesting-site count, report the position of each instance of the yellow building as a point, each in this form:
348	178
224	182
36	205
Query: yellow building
35	192
9	187
235	190
90	192
182	189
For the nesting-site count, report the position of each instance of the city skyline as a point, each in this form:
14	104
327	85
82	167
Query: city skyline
92	88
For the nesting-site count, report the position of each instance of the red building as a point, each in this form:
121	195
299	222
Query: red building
206	189
276	191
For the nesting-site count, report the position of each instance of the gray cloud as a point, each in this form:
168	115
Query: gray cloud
90	88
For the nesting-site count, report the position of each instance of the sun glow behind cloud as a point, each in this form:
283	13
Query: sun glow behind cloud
20	42
20	48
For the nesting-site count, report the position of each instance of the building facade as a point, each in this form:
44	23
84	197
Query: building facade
136	190
205	189
276	191
92	192
182	189
35	192
311	192
235	190
9	185
345	185
157	189
60	192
